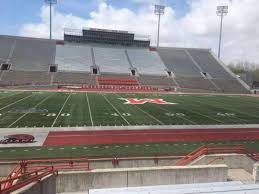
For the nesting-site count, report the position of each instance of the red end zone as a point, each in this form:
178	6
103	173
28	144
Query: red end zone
150	136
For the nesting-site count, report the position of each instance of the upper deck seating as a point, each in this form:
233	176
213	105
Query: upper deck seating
178	61
209	64
31	54
147	62
73	58
111	60
6	44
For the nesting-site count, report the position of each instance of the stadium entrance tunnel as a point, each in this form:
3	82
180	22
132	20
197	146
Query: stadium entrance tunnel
5	66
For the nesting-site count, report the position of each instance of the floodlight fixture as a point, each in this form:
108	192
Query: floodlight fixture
221	12
159	10
50	3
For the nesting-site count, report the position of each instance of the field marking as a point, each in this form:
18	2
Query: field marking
227	110
116	109
189	110
29	112
54	122
237	111
16	102
89	109
10	95
192	122
149	115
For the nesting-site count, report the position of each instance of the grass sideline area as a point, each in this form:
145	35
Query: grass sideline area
118	150
56	109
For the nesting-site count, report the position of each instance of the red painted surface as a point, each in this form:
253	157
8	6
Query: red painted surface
149	136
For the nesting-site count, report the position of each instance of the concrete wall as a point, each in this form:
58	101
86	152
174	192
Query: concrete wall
100	164
131	177
45	186
233	161
6	169
256	173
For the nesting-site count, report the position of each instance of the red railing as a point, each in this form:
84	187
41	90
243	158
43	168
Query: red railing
34	170
117	81
204	150
14	183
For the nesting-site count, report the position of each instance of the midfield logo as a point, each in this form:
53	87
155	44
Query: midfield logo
145	100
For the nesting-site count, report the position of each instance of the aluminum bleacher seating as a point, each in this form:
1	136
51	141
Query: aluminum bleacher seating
158	81
6	44
178	62
195	83
13	78
111	60
31	54
230	86
209	64
73	58
74	78
147	62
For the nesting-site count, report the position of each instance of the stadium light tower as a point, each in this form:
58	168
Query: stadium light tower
159	10
221	11
50	3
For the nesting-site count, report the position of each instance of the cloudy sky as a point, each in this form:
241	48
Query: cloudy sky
186	23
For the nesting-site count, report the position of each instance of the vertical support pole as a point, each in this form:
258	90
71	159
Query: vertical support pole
50	20
158	30
220	35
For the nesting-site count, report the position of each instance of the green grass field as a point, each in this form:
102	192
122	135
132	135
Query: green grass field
52	109
118	150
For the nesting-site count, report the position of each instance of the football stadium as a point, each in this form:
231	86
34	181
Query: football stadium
103	111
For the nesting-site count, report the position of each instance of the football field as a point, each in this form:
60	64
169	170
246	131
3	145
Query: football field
65	109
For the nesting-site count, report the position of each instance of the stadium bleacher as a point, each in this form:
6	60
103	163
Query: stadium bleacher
196	83
29	61
73	78
158	81
111	60
146	62
29	54
209	64
14	78
178	61
7	44
73	58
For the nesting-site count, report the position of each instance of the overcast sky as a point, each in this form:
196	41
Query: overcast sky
186	23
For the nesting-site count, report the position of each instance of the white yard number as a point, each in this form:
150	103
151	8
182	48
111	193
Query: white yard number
123	114
54	115
175	114
65	115
51	115
226	114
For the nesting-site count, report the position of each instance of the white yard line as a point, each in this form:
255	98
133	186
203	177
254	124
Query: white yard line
116	110
54	122
28	112
89	108
16	102
226	110
149	115
189	110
